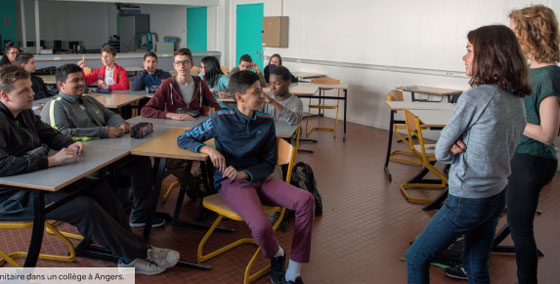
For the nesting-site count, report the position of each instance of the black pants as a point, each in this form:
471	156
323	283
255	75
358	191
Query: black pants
529	174
139	169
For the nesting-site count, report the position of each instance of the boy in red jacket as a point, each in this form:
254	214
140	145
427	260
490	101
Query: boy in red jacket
110	75
178	96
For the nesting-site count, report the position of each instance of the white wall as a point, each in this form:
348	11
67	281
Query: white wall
167	20
407	35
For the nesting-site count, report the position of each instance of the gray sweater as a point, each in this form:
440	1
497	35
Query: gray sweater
490	122
81	118
293	110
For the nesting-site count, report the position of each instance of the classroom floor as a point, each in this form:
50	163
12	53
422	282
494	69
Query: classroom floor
364	231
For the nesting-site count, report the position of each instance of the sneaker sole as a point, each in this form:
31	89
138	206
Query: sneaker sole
138	225
456	277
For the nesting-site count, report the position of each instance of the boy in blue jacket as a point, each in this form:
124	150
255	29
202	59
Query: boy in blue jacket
244	159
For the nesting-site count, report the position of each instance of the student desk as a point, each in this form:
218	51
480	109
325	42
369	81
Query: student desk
116	101
399	106
167	123
303	89
48	79
430	91
54	179
307	75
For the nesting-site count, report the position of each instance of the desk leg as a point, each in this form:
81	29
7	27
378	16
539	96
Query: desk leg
159	167
345	103
500	236
412	96
38	228
388	157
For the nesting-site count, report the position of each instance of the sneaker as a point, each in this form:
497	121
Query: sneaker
298	281
277	269
141	222
143	266
456	272
163	257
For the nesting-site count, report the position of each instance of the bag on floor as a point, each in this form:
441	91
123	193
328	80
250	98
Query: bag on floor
302	177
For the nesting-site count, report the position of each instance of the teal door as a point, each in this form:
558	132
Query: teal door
249	32
197	29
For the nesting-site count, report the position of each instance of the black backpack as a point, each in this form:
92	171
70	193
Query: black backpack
302	177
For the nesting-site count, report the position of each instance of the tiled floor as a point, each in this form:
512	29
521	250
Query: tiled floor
363	233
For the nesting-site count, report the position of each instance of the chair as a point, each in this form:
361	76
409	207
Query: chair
427	154
321	106
397	96
285	155
9	257
224	69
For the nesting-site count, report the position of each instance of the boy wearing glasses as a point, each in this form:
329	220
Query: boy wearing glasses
183	96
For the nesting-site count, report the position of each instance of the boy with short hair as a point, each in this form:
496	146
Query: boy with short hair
246	63
95	212
10	55
283	106
150	76
27	61
244	158
180	97
81	117
110	75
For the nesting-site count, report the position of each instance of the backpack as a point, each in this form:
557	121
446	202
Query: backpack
302	177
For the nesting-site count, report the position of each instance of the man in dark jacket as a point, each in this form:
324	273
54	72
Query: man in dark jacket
9	57
96	212
27	62
150	76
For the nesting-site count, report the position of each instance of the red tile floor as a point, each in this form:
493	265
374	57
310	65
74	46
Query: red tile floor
364	231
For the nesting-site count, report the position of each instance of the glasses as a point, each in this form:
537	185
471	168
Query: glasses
184	62
13	52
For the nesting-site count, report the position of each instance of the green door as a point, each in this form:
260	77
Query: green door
197	29
249	32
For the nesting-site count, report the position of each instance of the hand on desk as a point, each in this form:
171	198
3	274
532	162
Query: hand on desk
178	116
78	148
62	156
114	132
125	128
458	148
101	84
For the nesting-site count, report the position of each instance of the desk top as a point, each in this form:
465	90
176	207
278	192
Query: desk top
400	105
165	146
430	90
48	79
124	142
167	123
284	130
434	118
307	75
116	100
304	89
56	178
132	68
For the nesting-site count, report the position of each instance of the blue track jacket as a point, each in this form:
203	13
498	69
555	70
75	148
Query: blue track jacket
248	144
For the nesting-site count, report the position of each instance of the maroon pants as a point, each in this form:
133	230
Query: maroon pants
246	198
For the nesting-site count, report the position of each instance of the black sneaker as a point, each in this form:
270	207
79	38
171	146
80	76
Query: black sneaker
277	269
298	281
456	272
157	221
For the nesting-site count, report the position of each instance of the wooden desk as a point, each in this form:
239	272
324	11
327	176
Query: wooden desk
430	91
48	79
167	123
303	89
116	100
54	179
433	118
395	106
307	75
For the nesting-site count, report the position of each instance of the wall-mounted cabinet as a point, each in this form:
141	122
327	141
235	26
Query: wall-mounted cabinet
275	31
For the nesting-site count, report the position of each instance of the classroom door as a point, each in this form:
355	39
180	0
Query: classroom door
249	32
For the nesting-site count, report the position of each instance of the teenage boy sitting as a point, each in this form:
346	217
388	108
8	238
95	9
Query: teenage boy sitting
283	106
180	97
96	212
10	55
244	158
108	76
27	61
150	76
82	117
246	63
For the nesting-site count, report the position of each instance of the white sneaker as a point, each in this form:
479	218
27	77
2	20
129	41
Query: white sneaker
163	257
143	267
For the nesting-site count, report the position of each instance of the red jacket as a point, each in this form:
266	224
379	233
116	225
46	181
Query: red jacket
119	75
168	98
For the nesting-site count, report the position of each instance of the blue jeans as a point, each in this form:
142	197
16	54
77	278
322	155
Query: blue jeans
476	218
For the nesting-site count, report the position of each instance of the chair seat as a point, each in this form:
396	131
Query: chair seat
430	149
324	106
214	202
16	224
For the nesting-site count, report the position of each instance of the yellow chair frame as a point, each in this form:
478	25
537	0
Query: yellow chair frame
323	80
9	257
286	154
414	126
393	96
